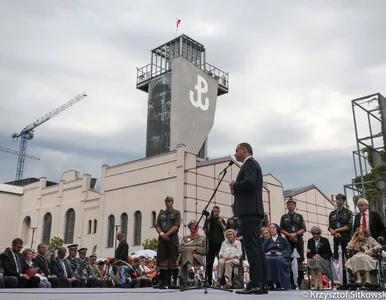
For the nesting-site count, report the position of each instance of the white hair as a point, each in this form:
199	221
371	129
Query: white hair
363	200
316	229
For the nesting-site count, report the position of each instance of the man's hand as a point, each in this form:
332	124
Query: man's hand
231	187
25	275
220	219
1	275
53	276
165	237
337	235
332	231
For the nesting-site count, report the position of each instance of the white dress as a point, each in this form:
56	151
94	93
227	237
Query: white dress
361	261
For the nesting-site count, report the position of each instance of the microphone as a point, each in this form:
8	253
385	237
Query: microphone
230	163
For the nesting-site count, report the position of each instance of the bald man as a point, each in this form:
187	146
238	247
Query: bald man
369	219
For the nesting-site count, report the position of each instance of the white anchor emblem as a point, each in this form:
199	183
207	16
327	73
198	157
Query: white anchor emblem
201	88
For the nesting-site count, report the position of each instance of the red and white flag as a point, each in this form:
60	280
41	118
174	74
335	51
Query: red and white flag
178	22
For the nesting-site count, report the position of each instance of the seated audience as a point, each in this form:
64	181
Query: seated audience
7	281
229	256
192	250
13	265
278	258
264	234
319	257
365	248
43	263
61	268
29	263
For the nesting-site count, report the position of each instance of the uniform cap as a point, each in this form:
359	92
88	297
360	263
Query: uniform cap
73	247
82	250
191	223
169	198
100	263
291	201
93	256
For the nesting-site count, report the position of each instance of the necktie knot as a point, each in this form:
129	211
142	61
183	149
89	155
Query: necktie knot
363	214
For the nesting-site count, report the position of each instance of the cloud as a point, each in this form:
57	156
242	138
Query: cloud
294	67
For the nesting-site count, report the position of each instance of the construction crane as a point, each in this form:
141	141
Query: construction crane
27	133
8	150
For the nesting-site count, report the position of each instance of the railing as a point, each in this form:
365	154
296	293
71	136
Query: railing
148	72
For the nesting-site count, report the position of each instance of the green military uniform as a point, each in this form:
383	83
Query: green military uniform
96	272
166	220
168	249
338	219
293	223
187	257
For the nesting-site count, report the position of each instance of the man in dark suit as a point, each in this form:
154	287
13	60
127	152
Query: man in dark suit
61	268
369	219
42	263
122	251
13	263
248	192
7	281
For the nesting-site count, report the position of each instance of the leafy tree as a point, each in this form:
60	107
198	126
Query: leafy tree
55	243
150	244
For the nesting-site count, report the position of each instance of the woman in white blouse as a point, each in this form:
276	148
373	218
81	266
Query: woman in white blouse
229	256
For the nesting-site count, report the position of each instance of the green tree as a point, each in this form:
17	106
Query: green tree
150	244
55	243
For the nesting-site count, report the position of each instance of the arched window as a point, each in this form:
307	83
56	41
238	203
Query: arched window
137	228
25	229
95	225
124	219
110	231
153	218
89	227
69	226
47	222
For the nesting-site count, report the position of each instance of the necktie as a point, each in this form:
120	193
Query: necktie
18	265
364	223
64	269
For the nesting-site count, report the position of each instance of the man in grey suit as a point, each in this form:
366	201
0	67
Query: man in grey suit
248	192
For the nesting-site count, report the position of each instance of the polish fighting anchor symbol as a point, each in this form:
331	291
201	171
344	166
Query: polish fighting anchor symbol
201	88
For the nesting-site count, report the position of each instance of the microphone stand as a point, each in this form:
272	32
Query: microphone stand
205	213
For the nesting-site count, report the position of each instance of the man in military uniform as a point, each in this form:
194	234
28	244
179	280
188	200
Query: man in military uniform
234	223
86	271
75	264
292	226
94	267
192	249
167	226
340	224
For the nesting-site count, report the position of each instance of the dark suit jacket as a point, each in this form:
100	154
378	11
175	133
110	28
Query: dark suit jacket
56	268
248	190
324	250
122	251
42	263
9	264
377	228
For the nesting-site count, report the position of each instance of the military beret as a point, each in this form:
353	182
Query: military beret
82	250
191	223
93	256
291	201
73	247
341	196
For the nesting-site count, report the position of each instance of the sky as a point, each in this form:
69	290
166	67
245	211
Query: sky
294	67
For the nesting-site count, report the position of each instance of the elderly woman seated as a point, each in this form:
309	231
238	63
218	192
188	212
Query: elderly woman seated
365	248
229	256
192	250
319	257
278	255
